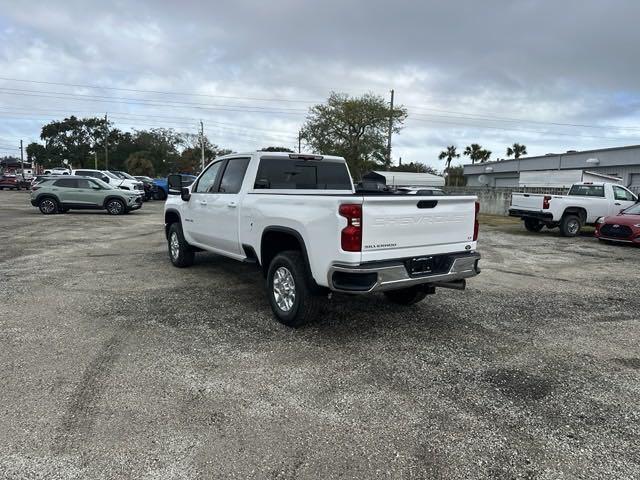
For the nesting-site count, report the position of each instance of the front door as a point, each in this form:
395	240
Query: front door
196	225
223	210
622	199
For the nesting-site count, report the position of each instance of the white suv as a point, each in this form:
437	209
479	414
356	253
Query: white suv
111	179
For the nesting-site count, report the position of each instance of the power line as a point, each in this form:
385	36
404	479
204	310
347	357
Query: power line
520	120
483	127
183	120
143	101
159	92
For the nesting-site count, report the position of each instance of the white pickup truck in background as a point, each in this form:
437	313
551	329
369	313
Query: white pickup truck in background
299	218
585	203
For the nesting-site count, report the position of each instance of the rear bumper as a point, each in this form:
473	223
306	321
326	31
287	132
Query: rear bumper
392	275
545	216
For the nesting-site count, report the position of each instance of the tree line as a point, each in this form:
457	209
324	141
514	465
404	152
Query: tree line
355	128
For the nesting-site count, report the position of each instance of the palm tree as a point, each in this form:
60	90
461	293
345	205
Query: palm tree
516	150
450	153
476	153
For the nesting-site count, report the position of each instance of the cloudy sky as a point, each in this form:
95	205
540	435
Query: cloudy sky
552	75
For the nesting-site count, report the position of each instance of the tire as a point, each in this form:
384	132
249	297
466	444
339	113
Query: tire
181	253
570	225
160	195
115	207
406	296
288	275
533	225
48	206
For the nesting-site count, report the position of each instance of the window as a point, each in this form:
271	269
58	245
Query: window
620	193
83	183
289	174
587	190
208	179
233	175
66	183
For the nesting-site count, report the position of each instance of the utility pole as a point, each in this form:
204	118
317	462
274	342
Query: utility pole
21	159
299	140
106	142
390	131
201	146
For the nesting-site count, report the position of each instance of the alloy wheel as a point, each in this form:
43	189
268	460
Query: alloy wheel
284	289
174	246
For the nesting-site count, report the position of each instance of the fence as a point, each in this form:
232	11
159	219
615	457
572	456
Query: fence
496	200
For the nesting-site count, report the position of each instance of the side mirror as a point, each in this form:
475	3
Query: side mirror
185	194
96	187
174	182
105	179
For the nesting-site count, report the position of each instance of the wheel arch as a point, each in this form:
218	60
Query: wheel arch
580	211
277	239
171	216
44	195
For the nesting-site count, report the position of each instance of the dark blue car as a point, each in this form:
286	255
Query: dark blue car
163	185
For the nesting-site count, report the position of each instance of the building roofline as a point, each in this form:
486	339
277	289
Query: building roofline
577	152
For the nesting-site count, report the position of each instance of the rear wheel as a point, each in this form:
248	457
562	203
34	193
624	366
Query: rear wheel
160	195
407	296
570	225
289	289
533	224
48	206
181	253
115	207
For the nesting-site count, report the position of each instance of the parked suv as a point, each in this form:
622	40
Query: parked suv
150	188
112	179
9	181
72	192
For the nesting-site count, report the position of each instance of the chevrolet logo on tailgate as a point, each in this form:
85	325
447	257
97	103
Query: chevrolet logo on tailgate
418	220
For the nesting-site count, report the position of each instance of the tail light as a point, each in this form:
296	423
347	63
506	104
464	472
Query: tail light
545	202
351	237
476	225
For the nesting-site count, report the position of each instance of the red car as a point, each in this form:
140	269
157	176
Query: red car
9	181
624	227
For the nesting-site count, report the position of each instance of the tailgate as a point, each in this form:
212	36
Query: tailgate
526	201
408	225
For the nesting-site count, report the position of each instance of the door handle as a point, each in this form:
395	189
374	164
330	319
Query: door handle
617	203
232	204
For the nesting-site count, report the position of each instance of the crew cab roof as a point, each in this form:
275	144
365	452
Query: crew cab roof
285	155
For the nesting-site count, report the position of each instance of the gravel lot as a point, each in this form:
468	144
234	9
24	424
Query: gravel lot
114	364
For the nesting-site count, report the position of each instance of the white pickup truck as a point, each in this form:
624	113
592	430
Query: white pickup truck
299	218
585	203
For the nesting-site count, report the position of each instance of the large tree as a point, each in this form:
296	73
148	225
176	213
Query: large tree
476	153
355	128
517	150
190	159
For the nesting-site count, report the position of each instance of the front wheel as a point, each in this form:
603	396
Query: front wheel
570	225
289	289
181	253
533	225
115	207
407	296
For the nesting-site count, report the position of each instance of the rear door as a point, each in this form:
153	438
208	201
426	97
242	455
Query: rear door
65	189
405	226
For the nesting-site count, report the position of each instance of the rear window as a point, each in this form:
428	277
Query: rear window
293	174
587	190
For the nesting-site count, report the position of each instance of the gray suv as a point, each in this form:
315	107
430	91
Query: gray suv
58	195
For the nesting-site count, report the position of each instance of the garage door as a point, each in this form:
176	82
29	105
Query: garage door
507	182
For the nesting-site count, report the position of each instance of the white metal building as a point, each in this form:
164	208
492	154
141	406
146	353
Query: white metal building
623	163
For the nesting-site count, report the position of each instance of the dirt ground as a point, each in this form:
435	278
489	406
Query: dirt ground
114	364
